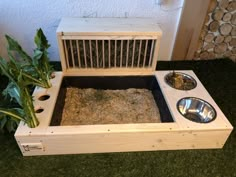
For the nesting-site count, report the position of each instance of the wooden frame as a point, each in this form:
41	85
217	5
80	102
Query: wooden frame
192	19
181	134
111	29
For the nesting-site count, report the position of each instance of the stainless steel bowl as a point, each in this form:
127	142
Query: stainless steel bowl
180	81
196	110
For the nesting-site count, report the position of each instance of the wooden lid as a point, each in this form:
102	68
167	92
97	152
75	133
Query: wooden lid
109	26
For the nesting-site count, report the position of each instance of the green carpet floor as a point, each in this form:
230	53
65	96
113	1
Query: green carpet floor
219	78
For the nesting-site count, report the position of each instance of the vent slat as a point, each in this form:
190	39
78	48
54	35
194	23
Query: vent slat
103	54
85	58
151	54
97	53
127	54
115	53
72	54
145	53
78	53
66	53
121	53
91	56
109	53
139	53
132	65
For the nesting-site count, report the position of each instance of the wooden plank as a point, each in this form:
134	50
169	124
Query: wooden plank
72	143
61	52
97	53
72	53
155	54
78	53
108	26
151	54
127	54
109	37
139	53
192	19
90	52
66	54
108	71
85	55
133	53
145	53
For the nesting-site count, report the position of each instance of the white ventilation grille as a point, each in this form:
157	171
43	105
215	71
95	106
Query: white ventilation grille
102	51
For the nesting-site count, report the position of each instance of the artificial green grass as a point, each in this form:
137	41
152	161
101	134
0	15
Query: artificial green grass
219	78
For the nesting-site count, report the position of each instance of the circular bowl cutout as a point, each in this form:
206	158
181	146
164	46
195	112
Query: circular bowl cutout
196	110
180	81
43	97
39	110
53	75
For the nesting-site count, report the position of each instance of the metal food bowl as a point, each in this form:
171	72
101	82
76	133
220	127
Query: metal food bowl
180	81
196	110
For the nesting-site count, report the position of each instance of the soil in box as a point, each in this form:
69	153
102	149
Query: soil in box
110	100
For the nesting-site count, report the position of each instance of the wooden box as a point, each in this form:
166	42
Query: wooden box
179	134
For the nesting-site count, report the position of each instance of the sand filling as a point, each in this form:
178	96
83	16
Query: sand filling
91	106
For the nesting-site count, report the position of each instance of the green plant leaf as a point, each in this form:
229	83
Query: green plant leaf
5	69
13	91
11	125
30	70
13	45
3	121
14	113
41	40
37	56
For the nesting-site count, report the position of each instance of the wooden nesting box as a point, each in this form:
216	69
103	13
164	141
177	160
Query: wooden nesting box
108	46
117	47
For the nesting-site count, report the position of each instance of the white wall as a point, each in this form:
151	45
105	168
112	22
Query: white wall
21	18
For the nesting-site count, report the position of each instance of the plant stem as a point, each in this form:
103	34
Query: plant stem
29	108
11	114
